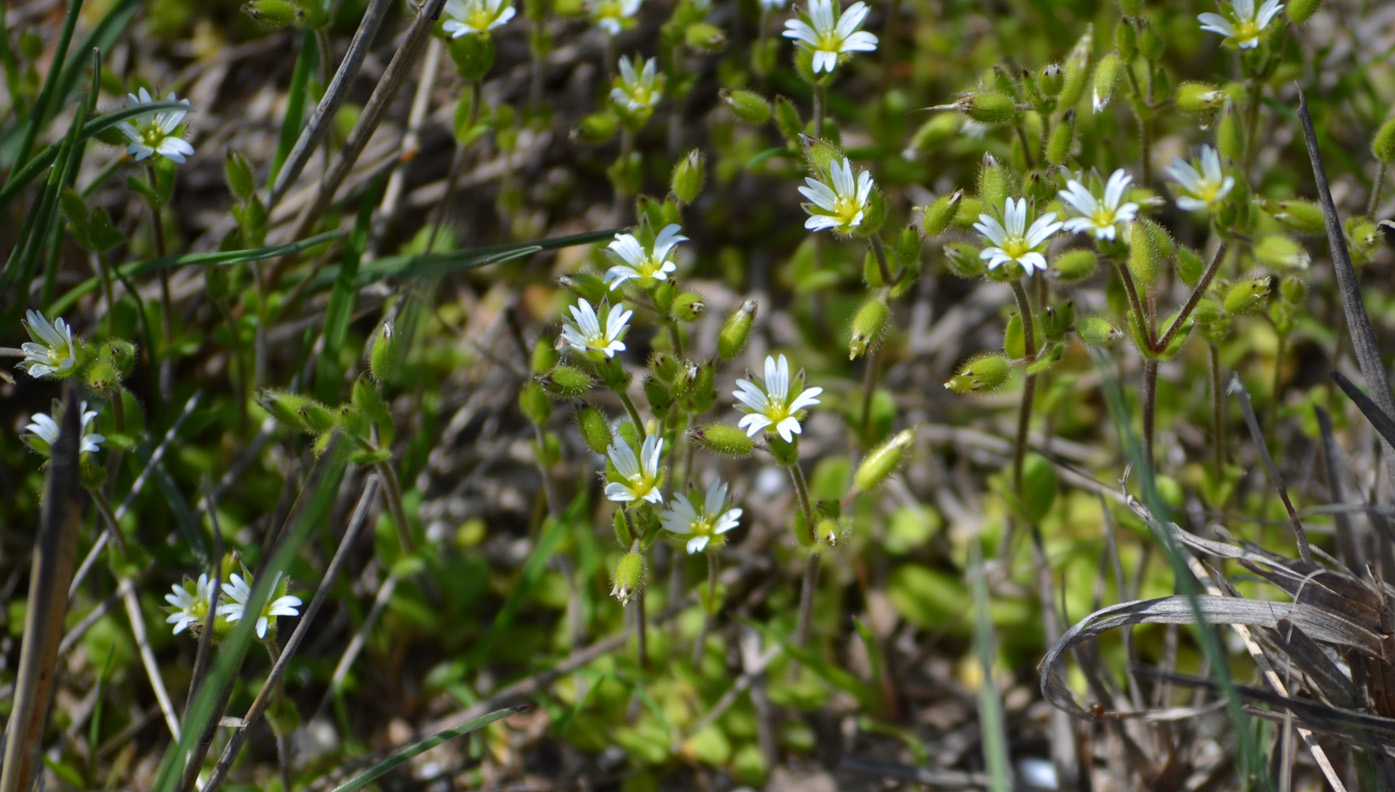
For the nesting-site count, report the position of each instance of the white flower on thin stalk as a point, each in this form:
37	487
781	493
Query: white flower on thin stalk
1201	189
636	262
840	206
471	17
1100	217
587	337
773	405
831	38
154	134
1246	24
190	604
705	524
52	351
43	432
613	15
239	591
1012	240
641	475
640	91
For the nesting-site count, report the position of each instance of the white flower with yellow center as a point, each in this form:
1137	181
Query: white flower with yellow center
587	336
239	591
190	603
840	206
149	135
635	262
705	524
52	351
43	432
1201	189
1012	240
1099	216
638	91
640	475
613	15
1245	26
772	405
828	37
469	17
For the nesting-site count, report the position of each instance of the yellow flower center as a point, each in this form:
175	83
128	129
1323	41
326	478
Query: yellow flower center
479	18
1016	247
1246	30
1102	217
846	209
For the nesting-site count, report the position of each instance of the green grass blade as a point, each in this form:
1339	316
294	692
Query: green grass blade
41	115
295	104
363	779
329	371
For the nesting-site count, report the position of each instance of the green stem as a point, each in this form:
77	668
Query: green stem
1150	406
109	516
675	335
634	413
1272	418
1374	203
1252	123
883	268
811	568
394	494
709	608
1024	415
1192	300
166	375
869	388
1026	146
820	103
1217	413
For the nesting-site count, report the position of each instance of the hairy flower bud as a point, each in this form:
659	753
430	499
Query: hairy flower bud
990	107
687	177
981	374
867	327
1097	331
748	106
1247	296
882	461
938	214
628	578
736	331
385	353
723	440
1074	266
566	382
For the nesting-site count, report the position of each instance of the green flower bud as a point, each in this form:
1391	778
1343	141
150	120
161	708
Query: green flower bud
1075	266
102	378
544	356
473	56
704	37
867	327
1057	320
787	119
1145	257
991	107
566	382
659	395
1230	136
1190	265
1038	487
1300	11
1126	40
663	365
1150	42
1293	290
665	292
596	128
628	578
748	106
908	245
829	530
1062	140
1383	144
932	134
1052	78
962	260
1212	320
1247	296
1363	238
274	14
993	183
883	460
723	440
982	374
1076	69
736	331
1297	214
367	400
1097	331
1279	252
535	404
688	307
385	353
819	155
937	216
121	354
595	430
970	207
687	177
585	285
1106	75
241	183
1131	8
297	412
1200	99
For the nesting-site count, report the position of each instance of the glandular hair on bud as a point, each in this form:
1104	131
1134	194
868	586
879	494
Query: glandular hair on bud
732	339
724	440
629	577
981	374
878	465
1075	266
940	213
867	327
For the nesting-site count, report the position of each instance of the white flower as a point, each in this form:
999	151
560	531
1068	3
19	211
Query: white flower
841	206
587	337
1011	240
151	135
1248	25
43	432
239	591
641	476
714	519
51	351
1200	189
466	17
772	405
612	15
637	263
1099	217
190	607
829	39
637	92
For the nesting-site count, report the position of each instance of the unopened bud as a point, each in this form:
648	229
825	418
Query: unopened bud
385	353
981	374
1297	214
120	353
1200	99
867	326
1126	40
940	213
1097	331
1106	75
1075	266
238	172
1383	144
688	307
595	430
990	107
1150	42
723	440
102	378
1300	11
584	285
1247	297
993	183
628	578
883	460
1279	252
1057	320
963	261
534	403
1230	136
1061	140
687	177
1051	80
732	339
272	13
1144	255
932	134
748	106
297	412
544	356
1190	265
566	382
597	128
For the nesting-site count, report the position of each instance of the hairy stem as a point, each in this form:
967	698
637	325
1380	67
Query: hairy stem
811	569
1029	386
1195	297
709	609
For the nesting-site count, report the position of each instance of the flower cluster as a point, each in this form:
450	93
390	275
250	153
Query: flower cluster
190	603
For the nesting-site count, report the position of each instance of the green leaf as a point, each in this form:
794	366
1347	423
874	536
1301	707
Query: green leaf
362	779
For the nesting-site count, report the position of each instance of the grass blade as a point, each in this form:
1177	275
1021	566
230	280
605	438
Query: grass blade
295	103
329	371
361	780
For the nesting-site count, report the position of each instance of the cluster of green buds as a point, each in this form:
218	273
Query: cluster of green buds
54	353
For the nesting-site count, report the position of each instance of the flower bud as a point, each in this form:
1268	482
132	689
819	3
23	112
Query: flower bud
687	177
120	353
1145	257
748	106
937	216
597	128
1383	144
704	37
1076	69
1106	75
867	326
1211	320
238	172
1297	214
878	465
1247	296
1075	266
688	307
828	531
932	134
723	440
385	353
981	374
1150	42
736	331
787	118
297	412
473	56
1190	265
1279	252
566	382
1097	331
1293	290
1057	320
595	430
1300	11
1200	99
962	260
544	357
659	395
584	285
102	378
272	13
990	107
1126	39
993	183
1061	140
1051	80
908	244
628	578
